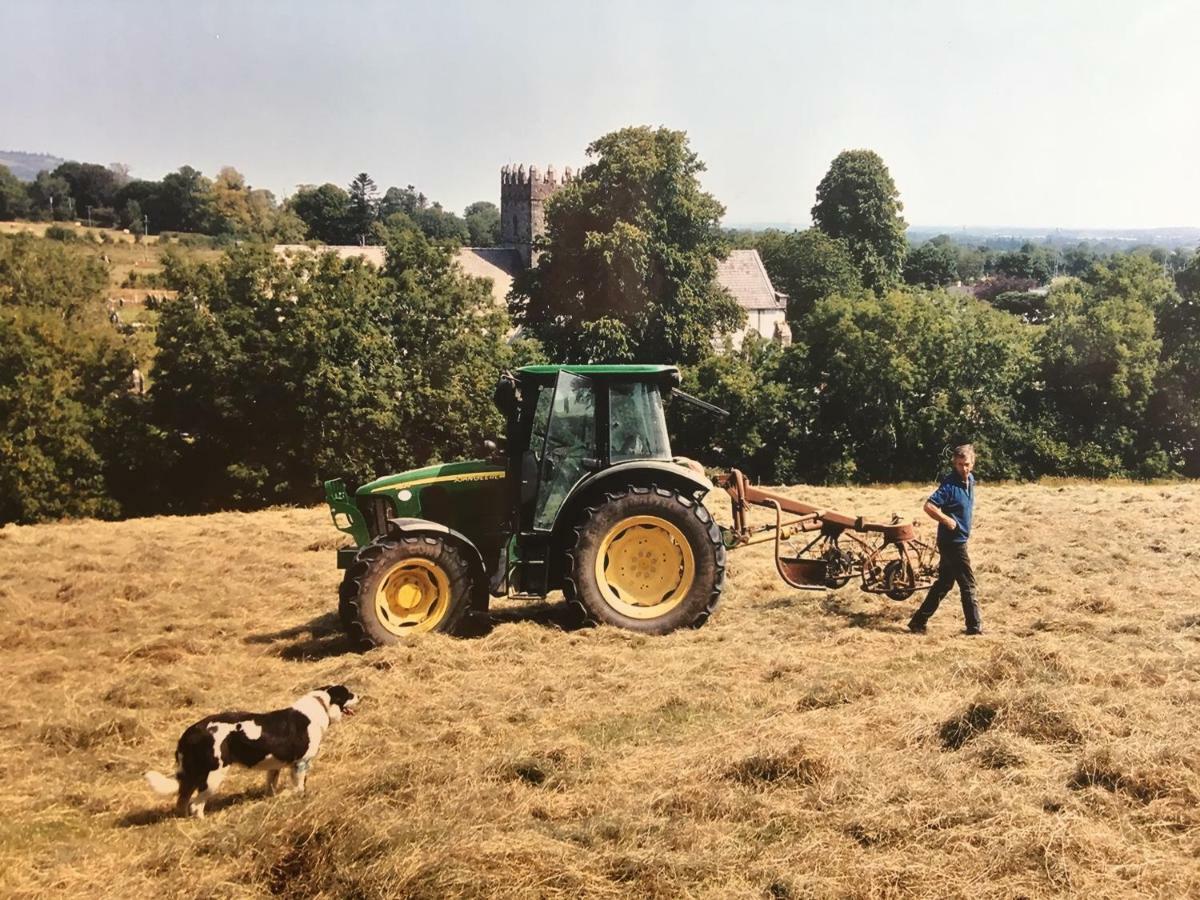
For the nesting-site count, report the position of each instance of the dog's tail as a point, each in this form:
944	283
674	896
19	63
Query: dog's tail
161	783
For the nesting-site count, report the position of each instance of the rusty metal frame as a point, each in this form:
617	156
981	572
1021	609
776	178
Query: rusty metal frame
890	559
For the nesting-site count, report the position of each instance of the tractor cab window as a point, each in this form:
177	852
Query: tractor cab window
569	445
637	428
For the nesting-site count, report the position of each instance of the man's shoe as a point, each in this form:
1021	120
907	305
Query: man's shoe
978	629
916	627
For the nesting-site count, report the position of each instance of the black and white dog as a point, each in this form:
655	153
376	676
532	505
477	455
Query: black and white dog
284	739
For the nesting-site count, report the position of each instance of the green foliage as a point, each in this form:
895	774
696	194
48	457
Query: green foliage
62	234
50	197
325	211
14	199
363	206
1176	404
899	377
442	225
808	266
89	184
238	211
754	436
1100	358
1035	263
858	202
62	374
931	265
273	375
483	224
182	202
627	272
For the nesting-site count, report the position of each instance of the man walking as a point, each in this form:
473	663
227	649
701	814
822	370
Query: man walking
952	505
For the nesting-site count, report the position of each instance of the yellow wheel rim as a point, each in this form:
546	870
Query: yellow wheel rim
413	595
644	567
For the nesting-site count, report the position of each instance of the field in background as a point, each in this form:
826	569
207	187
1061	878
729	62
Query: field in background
800	744
130	263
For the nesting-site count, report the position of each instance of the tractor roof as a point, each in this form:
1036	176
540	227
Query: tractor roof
592	370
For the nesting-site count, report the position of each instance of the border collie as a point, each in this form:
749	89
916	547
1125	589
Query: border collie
284	739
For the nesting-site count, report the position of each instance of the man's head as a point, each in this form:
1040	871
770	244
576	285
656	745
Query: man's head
964	460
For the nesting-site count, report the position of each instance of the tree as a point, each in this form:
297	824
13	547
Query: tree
401	200
1077	261
363	205
183	202
1176	404
896	378
50	196
1100	358
63	371
239	211
275	374
858	202
325	210
1033	262
442	225
809	266
971	263
932	265
628	264
483	224
90	185
14	200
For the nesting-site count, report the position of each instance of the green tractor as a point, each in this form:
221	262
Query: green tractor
582	494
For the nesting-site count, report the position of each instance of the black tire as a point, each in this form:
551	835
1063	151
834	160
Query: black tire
426	573
651	540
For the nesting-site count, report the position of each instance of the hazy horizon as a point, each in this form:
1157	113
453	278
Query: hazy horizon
1073	114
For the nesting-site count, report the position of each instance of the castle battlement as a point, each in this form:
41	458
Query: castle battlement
514	174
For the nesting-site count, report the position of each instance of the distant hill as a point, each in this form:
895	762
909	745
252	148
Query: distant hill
26	165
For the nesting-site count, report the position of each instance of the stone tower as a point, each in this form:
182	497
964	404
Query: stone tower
523	194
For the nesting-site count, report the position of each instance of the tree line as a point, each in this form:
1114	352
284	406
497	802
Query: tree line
228	208
271	374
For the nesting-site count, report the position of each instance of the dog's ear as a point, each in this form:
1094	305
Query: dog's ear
338	694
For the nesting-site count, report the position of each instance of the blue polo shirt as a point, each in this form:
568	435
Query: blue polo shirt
957	500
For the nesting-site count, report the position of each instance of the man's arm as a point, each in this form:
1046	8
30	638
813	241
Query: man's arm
936	514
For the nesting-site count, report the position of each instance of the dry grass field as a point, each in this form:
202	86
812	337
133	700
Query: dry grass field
128	261
800	744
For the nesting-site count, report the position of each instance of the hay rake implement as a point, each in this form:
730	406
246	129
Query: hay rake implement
819	549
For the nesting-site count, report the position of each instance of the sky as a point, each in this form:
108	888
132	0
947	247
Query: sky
1061	114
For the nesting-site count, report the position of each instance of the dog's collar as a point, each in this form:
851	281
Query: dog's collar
325	706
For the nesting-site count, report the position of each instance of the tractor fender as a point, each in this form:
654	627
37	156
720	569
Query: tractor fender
638	472
413	526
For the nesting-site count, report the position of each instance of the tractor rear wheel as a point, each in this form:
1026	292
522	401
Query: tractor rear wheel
647	559
404	584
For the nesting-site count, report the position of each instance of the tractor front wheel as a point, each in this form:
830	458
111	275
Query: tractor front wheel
647	559
404	584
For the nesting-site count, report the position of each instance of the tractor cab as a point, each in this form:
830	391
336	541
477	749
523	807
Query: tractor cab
566	425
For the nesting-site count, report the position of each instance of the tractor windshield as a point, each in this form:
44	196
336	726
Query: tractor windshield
637	428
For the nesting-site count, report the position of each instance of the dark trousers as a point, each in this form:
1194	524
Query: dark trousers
955	567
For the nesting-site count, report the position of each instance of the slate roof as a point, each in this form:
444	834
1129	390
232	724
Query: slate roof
743	275
499	264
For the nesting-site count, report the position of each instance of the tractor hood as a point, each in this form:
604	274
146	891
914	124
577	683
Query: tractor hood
443	474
